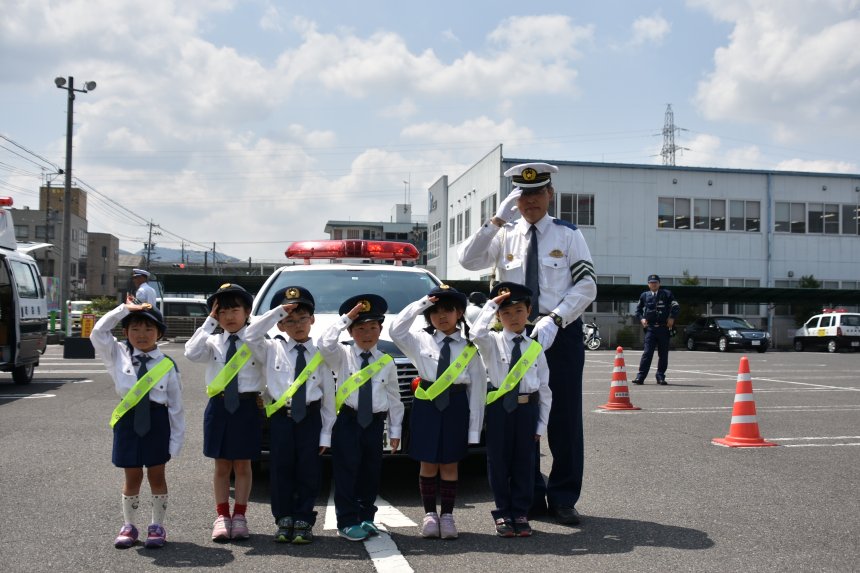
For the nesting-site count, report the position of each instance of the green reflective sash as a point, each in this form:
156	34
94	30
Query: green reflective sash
293	388
517	372
140	388
447	378
358	379
229	371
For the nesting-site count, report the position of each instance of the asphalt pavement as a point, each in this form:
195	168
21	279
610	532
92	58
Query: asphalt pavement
658	495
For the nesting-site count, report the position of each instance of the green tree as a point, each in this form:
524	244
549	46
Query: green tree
803	311
101	305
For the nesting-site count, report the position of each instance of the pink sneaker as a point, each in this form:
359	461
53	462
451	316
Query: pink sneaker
127	537
240	527
156	537
447	528
430	525
221	529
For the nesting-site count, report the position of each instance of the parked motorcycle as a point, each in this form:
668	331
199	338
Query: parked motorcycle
591	335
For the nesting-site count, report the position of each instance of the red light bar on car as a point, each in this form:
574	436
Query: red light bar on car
352	249
5	201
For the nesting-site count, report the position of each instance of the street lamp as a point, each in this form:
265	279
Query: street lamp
66	259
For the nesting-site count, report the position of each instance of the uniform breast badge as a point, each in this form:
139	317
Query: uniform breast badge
556	254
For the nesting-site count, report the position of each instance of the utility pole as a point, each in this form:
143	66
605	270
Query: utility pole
182	257
669	129
214	263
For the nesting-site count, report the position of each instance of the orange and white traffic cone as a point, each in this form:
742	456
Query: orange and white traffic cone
743	431
619	395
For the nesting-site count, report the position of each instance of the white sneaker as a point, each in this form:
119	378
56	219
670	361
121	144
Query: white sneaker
430	525
447	528
221	529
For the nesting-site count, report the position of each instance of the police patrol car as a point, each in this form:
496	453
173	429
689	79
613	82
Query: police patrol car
331	283
833	329
23	307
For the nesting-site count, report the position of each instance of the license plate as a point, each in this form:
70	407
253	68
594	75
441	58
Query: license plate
756	342
855	343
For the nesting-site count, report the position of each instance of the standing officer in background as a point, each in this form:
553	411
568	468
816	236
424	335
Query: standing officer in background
144	292
550	257
656	311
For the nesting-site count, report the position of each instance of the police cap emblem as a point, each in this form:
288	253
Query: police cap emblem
529	174
504	290
225	285
292	293
365	305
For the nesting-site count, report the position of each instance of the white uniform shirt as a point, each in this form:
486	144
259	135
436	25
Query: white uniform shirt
207	347
565	272
496	349
423	349
122	367
279	356
146	293
346	361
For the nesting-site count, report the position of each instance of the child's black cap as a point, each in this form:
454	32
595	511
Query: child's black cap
150	313
447	293
373	307
230	288
293	295
519	293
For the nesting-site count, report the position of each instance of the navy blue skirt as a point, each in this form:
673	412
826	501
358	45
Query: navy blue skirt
233	436
133	451
439	437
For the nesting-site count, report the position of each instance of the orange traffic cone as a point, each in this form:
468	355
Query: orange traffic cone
743	431
619	395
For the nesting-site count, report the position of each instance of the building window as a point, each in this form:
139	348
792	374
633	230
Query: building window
718	215
741	308
673	213
851	219
433	243
576	208
790	217
40	232
337	234
452	233
104	253
610	306
488	208
701	214
823	218
459	227
352	234
467	223
22	232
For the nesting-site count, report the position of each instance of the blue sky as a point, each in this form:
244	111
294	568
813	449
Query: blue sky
250	124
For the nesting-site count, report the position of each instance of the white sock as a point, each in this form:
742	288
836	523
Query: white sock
159	508
130	503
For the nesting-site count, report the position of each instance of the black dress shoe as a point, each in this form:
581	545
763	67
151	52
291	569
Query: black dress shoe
661	381
565	515
638	381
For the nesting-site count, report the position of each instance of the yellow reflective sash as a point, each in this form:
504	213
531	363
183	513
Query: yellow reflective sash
243	354
140	388
358	379
517	372
294	387
447	378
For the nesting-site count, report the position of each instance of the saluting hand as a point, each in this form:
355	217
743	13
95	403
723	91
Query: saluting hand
290	307
499	299
356	310
214	313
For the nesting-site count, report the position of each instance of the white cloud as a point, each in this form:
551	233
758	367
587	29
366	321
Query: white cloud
482	132
271	19
649	29
825	166
785	59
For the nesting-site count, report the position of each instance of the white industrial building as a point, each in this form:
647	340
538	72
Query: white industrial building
728	227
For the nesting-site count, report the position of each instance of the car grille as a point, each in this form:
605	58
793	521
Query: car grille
406	372
754	335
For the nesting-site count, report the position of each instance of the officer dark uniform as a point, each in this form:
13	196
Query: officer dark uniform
656	311
565	286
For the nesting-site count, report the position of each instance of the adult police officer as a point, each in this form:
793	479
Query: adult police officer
144	292
550	257
656	311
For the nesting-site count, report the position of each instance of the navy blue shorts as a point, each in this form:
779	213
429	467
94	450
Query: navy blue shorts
133	451
439	437
233	436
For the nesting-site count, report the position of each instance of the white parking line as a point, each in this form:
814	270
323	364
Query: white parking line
718	409
382	550
757	379
25	396
818	439
64	371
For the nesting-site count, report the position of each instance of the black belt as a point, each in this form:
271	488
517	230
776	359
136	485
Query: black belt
242	395
453	388
156	405
351	412
521	398
286	410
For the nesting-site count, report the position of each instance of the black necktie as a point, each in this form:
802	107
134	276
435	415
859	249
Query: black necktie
365	396
532	273
299	402
443	399
141	411
231	391
510	402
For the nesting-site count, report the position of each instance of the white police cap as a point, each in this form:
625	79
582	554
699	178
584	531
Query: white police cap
531	175
139	273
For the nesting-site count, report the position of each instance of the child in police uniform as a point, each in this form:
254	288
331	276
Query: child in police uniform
367	393
149	423
301	415
517	405
233	421
448	411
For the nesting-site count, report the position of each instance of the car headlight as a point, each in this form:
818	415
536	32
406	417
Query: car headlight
734	334
767	334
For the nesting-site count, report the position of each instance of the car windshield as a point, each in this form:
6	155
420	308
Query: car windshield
733	323
80	306
330	287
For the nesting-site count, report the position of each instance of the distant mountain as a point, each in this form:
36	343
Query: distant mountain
166	255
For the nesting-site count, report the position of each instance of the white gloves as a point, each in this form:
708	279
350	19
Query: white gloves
508	208
544	332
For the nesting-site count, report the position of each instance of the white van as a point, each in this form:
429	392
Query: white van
23	306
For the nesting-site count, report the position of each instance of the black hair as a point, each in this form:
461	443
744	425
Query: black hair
447	305
305	307
232	300
136	318
478	298
354	323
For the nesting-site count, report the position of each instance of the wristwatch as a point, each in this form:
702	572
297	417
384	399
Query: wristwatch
556	319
